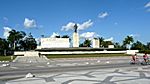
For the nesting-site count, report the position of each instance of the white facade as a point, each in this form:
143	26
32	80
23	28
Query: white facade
55	43
95	43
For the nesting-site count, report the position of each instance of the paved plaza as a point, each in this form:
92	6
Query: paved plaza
135	75
78	71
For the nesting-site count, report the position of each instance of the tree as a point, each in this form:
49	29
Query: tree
117	45
3	46
14	38
138	45
127	41
106	43
81	45
87	43
148	45
29	43
101	41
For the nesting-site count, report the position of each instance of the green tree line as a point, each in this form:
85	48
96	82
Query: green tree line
17	41
127	43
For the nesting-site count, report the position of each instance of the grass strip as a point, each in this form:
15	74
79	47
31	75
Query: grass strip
83	55
6	58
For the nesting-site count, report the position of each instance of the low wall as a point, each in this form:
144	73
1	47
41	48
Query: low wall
36	53
132	51
31	53
26	53
20	53
83	52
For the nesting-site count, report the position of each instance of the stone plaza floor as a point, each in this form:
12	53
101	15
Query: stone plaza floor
126	75
132	74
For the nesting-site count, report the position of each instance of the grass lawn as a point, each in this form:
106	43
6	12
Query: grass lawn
84	55
6	58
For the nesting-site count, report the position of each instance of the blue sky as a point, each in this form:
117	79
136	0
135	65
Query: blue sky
111	19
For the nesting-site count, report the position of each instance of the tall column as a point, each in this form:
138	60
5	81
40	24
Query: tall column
75	39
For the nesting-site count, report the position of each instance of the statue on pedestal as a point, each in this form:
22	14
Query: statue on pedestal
75	28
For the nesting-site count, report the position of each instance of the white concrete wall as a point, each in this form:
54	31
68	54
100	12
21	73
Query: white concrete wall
75	52
55	43
83	52
26	53
132	51
31	53
19	53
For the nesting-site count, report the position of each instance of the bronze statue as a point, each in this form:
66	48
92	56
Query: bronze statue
75	28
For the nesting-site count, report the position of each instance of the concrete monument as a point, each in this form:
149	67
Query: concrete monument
75	37
55	43
95	43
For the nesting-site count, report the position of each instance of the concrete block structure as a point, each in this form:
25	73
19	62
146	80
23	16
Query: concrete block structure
95	43
75	39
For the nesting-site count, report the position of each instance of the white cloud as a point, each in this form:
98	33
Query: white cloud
89	35
29	23
84	25
109	39
147	5
69	26
6	31
103	15
54	34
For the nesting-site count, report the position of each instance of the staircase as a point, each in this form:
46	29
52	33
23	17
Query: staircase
31	59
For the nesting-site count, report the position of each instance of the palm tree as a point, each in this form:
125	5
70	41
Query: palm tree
107	43
87	43
117	45
14	37
148	45
30	42
101	41
128	40
138	45
3	46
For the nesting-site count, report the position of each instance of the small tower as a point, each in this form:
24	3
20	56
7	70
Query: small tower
75	37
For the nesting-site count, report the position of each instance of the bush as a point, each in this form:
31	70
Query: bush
144	51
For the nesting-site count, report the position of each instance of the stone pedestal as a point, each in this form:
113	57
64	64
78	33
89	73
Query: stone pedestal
75	39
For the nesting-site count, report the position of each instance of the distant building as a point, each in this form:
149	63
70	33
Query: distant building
110	46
